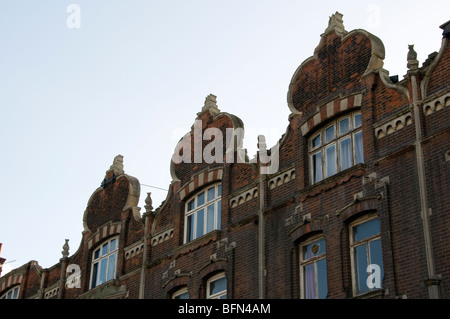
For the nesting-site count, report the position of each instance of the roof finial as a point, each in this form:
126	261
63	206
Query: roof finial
413	64
65	251
211	104
148	203
117	165
336	24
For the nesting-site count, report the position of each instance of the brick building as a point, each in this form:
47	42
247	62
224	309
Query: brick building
351	202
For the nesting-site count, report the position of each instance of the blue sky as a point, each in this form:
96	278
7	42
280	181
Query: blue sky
131	79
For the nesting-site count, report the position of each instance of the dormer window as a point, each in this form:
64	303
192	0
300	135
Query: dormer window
203	212
336	147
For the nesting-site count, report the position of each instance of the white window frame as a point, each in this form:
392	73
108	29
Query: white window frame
179	292
106	257
220	294
312	260
194	212
358	243
12	293
336	142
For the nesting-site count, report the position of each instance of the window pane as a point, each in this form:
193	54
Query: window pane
376	256
344	126
330	158
191	205
111	267
200	223
367	229
97	253
94	275
190	228
317	167
102	274
310	290
219	190
361	269
219	210
112	246
184	295
322	285
104	249
329	133
210	218
217	286
357	120
211	193
316	141
359	151
314	249
345	153
200	199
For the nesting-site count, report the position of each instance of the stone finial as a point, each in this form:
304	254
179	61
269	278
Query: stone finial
117	165
211	104
148	203
65	251
413	64
336	24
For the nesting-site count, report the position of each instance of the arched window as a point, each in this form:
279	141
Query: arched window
366	254
336	147
12	293
203	212
313	269
104	262
181	293
216	287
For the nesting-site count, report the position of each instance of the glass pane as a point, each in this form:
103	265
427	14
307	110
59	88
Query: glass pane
219	190
309	285
217	286
314	249
104	249
367	229
200	223
111	267
94	275
211	193
361	269
200	199
317	167
184	295
223	297
376	256
330	158
359	151
210	218
345	153
97	253
357	120
190	228
102	274
329	133
322	285
344	126
191	205
112	246
315	141
219	210
15	293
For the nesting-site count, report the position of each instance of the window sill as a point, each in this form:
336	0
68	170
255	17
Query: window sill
334	181
198	242
375	294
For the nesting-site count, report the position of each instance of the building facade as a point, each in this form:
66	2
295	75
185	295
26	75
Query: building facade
351	203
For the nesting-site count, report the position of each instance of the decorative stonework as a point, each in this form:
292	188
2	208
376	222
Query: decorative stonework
50	293
134	250
162	236
202	178
244	197
393	125
282	178
436	104
103	232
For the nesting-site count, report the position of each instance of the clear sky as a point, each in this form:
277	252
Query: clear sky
82	84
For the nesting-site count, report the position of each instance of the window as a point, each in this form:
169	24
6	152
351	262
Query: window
313	269
12	293
182	293
203	213
365	240
336	147
104	262
217	287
